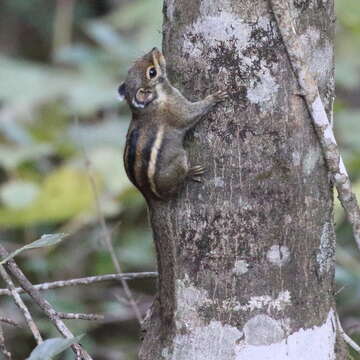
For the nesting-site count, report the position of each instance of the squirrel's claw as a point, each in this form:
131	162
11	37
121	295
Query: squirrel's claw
220	95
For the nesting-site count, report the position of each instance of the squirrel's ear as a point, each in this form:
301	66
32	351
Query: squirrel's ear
121	92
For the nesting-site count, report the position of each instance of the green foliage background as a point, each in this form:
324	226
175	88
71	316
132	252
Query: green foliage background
58	98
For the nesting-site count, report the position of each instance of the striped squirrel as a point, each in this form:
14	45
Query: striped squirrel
154	157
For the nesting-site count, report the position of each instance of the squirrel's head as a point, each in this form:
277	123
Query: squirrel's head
144	78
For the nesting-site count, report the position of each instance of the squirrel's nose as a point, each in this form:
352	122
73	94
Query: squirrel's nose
156	50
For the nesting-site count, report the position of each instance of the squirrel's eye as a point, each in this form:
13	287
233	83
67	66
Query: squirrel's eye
151	72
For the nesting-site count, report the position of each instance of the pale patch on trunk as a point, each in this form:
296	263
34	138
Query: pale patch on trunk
221	27
317	343
312	157
264	90
263	338
278	255
241	267
326	255
224	26
212	342
266	302
319	54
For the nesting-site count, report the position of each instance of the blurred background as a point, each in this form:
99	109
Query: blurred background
61	62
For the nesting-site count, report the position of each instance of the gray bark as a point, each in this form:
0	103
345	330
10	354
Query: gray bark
246	259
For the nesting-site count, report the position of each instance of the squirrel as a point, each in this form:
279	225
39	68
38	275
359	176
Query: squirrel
154	157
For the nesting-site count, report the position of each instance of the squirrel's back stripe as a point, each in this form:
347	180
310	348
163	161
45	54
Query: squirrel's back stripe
130	155
141	156
153	160
146	149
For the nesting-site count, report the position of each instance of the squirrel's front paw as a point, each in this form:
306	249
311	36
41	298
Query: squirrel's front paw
220	95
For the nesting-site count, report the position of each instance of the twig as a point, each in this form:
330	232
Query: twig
79	316
318	114
85	281
3	349
107	236
21	305
337	292
111	250
346	337
35	294
8	321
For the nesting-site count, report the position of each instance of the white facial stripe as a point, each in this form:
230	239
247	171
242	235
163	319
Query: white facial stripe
120	97
137	105
153	159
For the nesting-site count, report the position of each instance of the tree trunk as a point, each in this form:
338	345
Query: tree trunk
246	259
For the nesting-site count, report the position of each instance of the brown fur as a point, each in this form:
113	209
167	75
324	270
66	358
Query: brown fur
168	108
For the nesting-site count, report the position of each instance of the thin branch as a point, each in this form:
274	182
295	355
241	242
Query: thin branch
79	316
337	292
346	337
107	237
85	281
3	349
35	294
21	305
318	114
8	321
